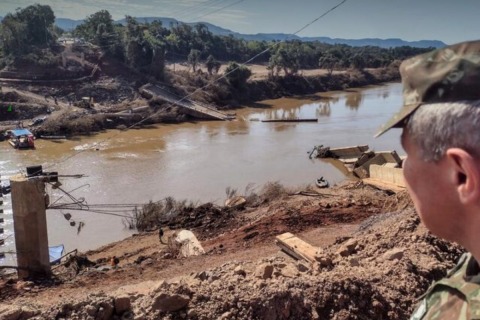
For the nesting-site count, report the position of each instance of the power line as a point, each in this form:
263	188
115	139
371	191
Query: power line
230	5
204	87
183	11
202	9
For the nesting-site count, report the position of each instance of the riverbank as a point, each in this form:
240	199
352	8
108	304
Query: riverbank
115	96
375	264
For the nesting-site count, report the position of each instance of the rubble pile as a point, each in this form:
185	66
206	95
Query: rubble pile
377	274
207	220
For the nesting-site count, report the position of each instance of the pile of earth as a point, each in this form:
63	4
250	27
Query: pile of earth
377	274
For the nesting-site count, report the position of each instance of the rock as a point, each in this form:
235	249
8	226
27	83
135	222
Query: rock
192	313
325	261
347	248
343	251
28	313
91	310
240	271
105	312
354	262
10	312
394	254
202	276
122	304
190	246
264	271
350	245
302	267
167	303
289	271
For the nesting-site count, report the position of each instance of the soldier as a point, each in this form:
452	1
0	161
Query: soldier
441	121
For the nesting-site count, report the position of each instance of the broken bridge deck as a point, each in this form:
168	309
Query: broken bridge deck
159	93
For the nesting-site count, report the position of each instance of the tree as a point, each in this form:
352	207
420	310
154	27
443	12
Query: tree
96	27
237	75
27	28
328	62
193	58
212	65
358	62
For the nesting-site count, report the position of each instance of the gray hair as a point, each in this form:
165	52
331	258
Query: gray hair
437	127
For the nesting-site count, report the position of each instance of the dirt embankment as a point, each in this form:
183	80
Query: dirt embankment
372	270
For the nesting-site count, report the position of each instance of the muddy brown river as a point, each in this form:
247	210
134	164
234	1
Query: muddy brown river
198	161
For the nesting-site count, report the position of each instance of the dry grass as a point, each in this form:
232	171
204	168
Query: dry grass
154	213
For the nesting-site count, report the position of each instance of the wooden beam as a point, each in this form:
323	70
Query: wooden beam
296	247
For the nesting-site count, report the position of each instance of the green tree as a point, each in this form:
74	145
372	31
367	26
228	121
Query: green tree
194	58
237	75
328	62
212	65
27	28
97	27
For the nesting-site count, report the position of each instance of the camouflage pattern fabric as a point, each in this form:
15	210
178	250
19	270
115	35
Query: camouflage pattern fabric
448	74
455	297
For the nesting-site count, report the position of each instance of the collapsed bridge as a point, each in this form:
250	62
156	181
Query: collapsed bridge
191	107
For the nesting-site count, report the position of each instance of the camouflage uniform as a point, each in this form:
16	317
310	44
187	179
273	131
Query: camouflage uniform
457	296
450	74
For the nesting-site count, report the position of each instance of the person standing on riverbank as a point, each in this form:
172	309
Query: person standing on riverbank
441	121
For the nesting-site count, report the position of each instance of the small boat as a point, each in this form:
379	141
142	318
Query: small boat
322	183
53	137
21	139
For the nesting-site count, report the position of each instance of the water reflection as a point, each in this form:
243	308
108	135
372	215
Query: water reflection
353	100
324	110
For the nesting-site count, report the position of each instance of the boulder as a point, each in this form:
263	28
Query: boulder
190	246
170	302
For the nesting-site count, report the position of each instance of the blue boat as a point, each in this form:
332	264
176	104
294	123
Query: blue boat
21	139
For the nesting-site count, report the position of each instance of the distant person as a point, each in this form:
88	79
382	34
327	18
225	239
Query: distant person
160	235
114	261
46	98
440	119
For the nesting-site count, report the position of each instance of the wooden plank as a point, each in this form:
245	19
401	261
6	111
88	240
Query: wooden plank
296	247
384	185
349	152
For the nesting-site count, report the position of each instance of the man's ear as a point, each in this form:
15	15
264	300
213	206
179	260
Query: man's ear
464	174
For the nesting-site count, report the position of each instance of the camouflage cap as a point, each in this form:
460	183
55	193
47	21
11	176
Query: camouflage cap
444	75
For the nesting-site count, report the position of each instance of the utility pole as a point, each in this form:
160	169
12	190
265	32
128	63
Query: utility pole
29	202
2	220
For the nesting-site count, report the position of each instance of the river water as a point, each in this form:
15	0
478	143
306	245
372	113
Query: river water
198	161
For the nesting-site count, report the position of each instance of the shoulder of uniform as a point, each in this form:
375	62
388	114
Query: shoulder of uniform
461	263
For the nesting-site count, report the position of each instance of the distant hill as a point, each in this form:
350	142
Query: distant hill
68	24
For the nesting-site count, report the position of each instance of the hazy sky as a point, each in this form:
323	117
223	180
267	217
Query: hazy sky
447	20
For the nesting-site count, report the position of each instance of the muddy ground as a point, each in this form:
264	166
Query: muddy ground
377	259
